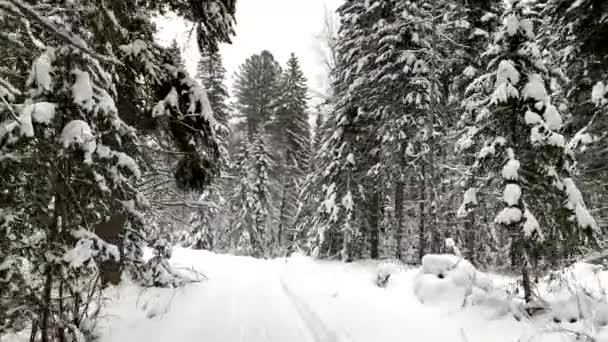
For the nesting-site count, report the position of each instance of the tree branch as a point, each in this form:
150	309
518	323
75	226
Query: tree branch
61	34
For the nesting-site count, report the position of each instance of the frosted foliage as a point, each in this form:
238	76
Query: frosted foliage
556	139
470	198
466	141
507	73
528	27
25	122
329	204
511	24
512	194
598	94
487	17
485	151
101	182
490	148
580	140
103	151
350	159
127	162
506	77
532	118
170	100
531	225
576	203
78	132
469	72
535	88
40	78
82	89
508	215
552	117
511	170
347	201
89	246
43	112
541	135
503	93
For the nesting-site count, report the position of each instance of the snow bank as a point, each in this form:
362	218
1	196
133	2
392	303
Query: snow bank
300	299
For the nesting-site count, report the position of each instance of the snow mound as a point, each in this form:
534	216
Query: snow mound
447	278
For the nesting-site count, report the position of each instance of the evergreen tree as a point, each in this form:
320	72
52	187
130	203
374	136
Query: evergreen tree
176	55
294	143
256	88
514	127
211	73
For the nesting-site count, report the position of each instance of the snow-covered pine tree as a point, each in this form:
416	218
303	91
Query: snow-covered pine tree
294	143
211	72
514	128
256	90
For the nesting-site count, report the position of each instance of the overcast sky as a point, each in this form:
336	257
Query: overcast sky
280	26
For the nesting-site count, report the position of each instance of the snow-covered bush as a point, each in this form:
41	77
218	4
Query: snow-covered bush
385	270
449	278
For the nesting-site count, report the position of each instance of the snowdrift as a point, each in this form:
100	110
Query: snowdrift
300	299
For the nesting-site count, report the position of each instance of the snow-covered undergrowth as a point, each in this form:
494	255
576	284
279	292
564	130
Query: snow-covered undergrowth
301	299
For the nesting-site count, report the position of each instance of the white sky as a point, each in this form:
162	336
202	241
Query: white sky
279	26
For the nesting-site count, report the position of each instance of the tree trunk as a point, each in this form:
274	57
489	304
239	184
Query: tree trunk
282	216
469	228
374	235
525	273
422	229
399	219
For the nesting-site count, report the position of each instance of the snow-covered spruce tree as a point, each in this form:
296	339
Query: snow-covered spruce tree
211	73
341	190
294	144
176	54
240	197
251	198
579	32
397	93
256	90
514	128
72	172
67	155
260	164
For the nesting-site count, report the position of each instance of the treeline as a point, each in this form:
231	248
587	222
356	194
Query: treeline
483	121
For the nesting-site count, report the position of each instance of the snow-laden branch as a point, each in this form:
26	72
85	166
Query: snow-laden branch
61	34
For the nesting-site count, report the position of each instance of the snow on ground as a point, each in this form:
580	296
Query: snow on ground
300	299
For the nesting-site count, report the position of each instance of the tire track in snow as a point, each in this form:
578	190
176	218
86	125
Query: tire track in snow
315	326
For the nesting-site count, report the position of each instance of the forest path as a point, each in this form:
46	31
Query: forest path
287	300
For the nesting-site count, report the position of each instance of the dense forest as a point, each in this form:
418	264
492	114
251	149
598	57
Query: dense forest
480	122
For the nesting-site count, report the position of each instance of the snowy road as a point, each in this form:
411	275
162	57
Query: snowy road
289	300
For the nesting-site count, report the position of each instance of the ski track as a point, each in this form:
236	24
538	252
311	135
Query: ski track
295	300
